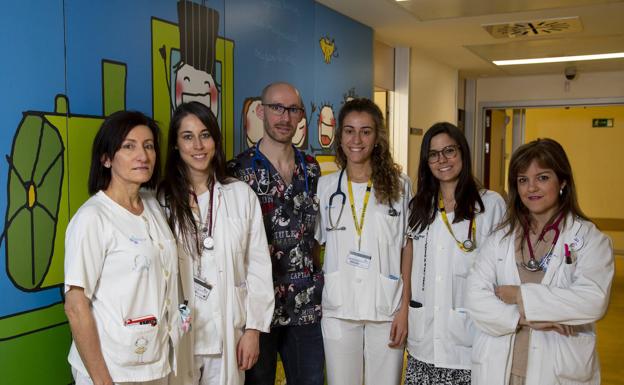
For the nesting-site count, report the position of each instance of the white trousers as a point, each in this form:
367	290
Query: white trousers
208	369
357	352
81	379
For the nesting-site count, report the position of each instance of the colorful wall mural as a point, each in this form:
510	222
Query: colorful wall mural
69	63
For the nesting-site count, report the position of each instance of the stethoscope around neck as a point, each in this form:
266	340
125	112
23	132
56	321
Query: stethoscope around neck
259	157
533	265
343	200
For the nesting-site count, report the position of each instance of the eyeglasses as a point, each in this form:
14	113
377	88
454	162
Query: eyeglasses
449	152
278	109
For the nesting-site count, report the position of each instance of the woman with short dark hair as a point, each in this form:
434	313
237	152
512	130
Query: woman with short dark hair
541	281
121	292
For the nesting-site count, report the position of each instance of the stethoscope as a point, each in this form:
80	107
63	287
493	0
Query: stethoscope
259	157
533	265
343	197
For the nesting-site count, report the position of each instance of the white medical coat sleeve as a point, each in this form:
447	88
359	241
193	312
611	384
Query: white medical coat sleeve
489	313
586	298
319	232
85	251
260	294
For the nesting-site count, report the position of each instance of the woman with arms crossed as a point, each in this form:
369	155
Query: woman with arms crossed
364	300
121	286
541	281
450	217
224	258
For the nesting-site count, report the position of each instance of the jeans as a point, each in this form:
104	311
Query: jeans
301	350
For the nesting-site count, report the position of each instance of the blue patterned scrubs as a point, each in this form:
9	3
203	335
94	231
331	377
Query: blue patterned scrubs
289	213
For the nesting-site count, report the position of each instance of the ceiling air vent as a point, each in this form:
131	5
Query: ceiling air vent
535	27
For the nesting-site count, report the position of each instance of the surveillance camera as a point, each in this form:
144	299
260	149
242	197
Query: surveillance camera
570	73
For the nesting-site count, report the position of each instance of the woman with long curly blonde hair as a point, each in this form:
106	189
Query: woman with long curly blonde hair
363	217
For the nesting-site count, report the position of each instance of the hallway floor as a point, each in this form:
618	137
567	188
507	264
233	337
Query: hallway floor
611	332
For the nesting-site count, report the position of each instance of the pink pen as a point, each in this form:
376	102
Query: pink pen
568	257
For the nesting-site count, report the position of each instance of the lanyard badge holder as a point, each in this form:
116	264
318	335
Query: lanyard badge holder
468	245
201	287
358	258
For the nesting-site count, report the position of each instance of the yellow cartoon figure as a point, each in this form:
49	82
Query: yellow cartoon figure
328	47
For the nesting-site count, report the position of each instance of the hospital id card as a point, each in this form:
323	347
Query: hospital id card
359	259
202	288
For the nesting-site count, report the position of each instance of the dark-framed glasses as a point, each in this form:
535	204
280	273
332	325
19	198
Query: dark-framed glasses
278	109
448	152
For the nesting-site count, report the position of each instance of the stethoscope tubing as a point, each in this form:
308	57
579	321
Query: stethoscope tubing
259	157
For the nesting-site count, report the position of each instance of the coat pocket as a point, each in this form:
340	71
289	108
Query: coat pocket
575	356
388	295
460	328
389	227
240	306
135	345
332	293
416	325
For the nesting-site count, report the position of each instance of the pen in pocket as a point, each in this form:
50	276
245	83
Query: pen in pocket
145	320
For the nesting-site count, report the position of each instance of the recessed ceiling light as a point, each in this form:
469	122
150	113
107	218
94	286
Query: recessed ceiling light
558	59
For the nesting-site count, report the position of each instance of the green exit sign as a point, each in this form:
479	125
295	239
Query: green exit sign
604	122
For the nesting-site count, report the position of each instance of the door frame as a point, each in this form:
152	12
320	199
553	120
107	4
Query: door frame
478	140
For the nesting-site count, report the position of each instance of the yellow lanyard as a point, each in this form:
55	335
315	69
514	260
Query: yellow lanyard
469	244
359	226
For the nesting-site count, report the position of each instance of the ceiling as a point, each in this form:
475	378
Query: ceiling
453	31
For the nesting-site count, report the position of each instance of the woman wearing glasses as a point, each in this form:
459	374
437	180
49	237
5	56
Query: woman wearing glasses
450	218
121	285
362	224
224	259
541	280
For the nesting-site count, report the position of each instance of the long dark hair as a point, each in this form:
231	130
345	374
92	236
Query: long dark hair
548	153
424	205
175	189
107	142
386	174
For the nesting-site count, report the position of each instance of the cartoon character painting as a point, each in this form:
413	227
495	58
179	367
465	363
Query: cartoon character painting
251	123
195	72
326	126
328	48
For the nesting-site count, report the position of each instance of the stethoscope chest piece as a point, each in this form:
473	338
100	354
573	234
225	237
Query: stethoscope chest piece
532	265
208	243
468	245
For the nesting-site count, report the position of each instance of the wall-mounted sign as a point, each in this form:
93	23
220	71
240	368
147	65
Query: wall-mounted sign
603	122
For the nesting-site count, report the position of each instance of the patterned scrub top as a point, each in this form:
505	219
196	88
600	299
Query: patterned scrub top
289	213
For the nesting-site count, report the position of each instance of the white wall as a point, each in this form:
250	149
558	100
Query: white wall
433	98
550	87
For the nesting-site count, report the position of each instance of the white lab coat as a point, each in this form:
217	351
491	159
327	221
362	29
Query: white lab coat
245	278
126	264
374	293
440	332
571	294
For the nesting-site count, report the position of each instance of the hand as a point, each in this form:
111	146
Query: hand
248	349
508	293
564	330
398	330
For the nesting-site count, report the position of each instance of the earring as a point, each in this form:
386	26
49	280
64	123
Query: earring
107	164
561	191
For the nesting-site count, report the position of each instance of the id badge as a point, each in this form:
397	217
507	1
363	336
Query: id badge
359	259
202	288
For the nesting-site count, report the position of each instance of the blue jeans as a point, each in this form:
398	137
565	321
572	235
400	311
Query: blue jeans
301	350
